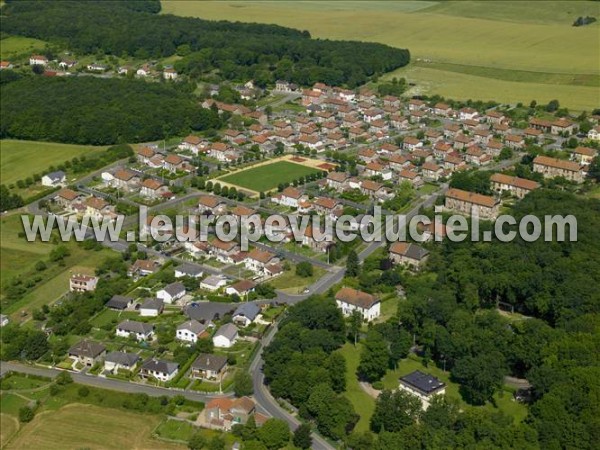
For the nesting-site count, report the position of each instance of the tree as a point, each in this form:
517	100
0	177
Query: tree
26	414
243	384
355	323
374	357
395	411
197	442
274	433
336	365
302	438
480	375
594	169
304	269
217	443
64	378
352	264
552	105
40	266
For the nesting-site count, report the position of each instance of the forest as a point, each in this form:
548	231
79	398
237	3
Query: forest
452	311
238	50
70	109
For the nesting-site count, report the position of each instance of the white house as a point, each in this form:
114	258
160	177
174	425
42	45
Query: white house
38	60
171	293
350	300
225	336
161	370
152	307
246	314
3	320
190	331
423	386
53	179
140	330
594	134
170	74
213	283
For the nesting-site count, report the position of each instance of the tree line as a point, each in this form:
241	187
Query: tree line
238	50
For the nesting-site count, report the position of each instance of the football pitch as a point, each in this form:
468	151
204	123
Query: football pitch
268	176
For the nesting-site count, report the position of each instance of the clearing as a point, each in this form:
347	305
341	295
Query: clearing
14	46
291	283
21	159
507	35
264	177
88	426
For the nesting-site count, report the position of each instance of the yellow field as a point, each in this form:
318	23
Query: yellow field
84	426
8	427
527	36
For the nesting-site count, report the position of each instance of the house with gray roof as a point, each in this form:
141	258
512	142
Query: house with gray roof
226	336
191	331
188	270
171	292
422	385
53	179
246	314
140	330
205	312
87	352
160	369
119	302
115	361
408	254
151	307
209	367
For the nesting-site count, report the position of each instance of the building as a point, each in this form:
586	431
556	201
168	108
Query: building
209	367
87	352
350	300
38	60
188	270
159	369
225	336
241	288
584	155
423	386
191	331
54	179
139	330
119	303
82	283
152	307
553	167
246	314
223	413
3	320
115	361
213	283
466	202
519	187
258	259
594	134
171	293
408	254
142	267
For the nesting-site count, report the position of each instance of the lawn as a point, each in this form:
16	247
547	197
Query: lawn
17	45
87	426
21	159
294	284
268	176
363	403
520	36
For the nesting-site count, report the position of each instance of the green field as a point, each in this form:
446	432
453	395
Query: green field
21	159
268	176
294	284
14	46
484	35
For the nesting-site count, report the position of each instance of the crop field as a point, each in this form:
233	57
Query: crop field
21	159
85	426
267	176
17	45
487	35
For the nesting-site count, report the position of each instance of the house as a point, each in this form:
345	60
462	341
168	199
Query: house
408	254
87	352
467	202
563	126
125	179
172	163
514	141
143	267
519	187
467	114
337	180
5	65
584	155
594	134
213	283
374	169
139	330
82	283
152	307
170	74
3	320
209	367
188	270
410	176
545	126
171	292
533	134
153	189
223	251
246	314
115	361
211	204
67	198
242	288
144	154
159	369
119	303
97	208
38	60
423	386
284	86
95	67
415	104
553	167
442	109
327	206
223	413
290	197
474	155
410	143
258	259
432	171
191	143
495	117
53	179
225	336
191	331
350	300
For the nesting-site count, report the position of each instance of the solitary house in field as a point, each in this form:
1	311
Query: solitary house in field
350	300
423	386
82	283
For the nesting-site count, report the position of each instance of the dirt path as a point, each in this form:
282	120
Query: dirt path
369	389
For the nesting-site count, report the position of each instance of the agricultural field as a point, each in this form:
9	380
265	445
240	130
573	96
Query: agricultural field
21	159
14	46
267	176
480	36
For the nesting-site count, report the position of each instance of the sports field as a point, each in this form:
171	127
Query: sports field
79	426
479	36
265	177
21	159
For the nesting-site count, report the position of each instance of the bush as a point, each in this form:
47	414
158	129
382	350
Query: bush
64	378
83	391
304	269
26	414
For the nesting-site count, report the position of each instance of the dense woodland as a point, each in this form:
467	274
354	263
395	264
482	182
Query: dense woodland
240	51
70	110
453	316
